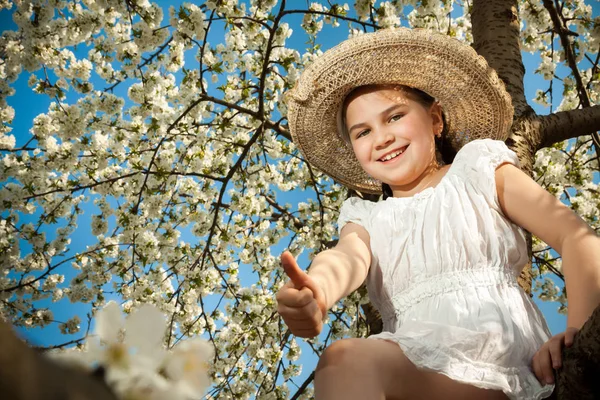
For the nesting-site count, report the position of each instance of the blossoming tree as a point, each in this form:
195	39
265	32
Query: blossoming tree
167	131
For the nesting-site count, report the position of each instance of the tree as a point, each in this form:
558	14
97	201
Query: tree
171	138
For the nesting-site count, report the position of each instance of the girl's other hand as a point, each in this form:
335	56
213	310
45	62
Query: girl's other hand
549	356
301	301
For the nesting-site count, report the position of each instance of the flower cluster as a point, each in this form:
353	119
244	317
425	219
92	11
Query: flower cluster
135	362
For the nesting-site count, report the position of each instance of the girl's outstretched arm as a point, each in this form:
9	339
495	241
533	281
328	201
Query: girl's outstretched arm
342	269
304	300
527	204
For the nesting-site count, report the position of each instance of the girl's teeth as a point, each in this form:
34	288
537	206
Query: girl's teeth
393	155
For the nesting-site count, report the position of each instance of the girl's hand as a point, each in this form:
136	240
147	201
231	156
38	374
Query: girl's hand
549	356
301	301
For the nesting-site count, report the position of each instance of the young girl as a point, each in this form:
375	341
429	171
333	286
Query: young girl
388	112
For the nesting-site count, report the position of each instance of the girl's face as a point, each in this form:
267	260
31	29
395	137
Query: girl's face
393	136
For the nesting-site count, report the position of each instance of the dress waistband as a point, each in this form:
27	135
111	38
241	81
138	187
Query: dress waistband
446	282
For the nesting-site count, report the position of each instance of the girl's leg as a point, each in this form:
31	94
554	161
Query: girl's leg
378	370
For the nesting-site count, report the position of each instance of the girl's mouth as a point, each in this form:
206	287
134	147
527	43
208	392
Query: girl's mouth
393	155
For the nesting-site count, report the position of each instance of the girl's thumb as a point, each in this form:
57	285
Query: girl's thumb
293	271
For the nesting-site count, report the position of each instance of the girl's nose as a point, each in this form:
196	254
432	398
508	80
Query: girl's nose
383	138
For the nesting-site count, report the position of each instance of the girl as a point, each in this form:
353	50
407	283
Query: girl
442	251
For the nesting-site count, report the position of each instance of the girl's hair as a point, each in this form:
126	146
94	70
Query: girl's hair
443	147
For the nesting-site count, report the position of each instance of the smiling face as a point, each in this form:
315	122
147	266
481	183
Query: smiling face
393	137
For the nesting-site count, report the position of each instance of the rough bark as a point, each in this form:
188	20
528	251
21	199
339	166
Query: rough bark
28	375
496	33
565	125
578	377
373	317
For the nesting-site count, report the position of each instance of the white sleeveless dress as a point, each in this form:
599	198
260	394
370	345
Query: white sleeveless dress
444	277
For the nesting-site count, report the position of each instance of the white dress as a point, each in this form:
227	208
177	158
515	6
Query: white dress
444	277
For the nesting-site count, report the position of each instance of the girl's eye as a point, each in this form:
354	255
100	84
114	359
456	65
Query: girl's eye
363	133
396	117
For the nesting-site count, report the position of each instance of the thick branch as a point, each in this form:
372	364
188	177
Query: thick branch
578	376
28	375
496	38
569	124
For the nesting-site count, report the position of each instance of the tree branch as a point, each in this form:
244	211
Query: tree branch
565	125
564	33
276	126
327	14
303	387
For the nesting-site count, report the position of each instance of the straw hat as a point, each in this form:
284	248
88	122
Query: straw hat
473	98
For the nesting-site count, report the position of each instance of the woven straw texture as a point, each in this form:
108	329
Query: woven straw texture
474	100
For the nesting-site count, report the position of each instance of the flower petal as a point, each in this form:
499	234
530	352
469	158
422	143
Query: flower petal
187	364
109	321
145	329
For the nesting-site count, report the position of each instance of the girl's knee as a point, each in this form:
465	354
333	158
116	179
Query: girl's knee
377	364
341	353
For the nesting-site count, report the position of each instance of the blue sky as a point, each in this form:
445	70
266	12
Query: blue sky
28	105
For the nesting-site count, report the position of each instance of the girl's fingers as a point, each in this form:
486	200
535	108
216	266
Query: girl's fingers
293	271
555	350
308	314
301	279
292	297
306	333
300	321
536	368
300	302
545	365
303	324
570	336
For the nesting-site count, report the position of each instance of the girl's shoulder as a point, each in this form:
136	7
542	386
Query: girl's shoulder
476	163
485	155
357	210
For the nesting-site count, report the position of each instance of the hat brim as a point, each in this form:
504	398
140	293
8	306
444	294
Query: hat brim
474	100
